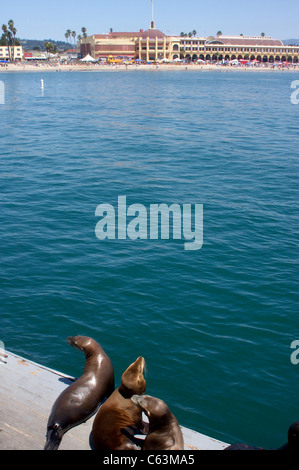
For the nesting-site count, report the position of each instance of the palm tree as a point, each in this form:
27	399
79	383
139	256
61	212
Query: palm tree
219	33
83	29
9	37
48	47
13	32
194	32
68	34
263	35
74	34
4	29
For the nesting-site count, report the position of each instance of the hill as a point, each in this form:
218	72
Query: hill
291	42
29	44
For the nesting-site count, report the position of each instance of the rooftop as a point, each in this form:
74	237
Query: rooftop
245	41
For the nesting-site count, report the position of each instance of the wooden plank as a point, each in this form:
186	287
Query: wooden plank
27	393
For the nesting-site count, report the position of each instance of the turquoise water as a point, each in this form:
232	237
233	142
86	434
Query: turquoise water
214	325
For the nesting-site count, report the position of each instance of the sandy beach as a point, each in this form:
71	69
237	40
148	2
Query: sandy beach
56	67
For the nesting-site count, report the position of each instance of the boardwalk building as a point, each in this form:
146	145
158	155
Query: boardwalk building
263	49
152	45
149	45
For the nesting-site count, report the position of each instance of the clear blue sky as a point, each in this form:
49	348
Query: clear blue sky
39	19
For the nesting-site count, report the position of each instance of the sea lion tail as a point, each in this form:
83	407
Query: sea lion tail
54	436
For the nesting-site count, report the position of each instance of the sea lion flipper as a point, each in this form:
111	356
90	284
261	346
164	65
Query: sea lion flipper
130	433
54	436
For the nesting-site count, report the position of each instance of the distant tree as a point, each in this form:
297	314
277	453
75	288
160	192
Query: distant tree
9	38
4	35
68	34
48	47
74	35
83	29
194	32
36	48
219	33
263	35
3	40
13	31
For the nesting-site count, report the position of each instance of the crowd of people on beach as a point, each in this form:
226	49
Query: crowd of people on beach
187	65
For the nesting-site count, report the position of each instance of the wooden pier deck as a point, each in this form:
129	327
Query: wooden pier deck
27	393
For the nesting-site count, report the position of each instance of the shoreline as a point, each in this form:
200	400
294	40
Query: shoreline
23	68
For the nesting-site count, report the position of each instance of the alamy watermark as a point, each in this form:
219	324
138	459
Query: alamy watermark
2	353
295	93
295	354
2	92
152	224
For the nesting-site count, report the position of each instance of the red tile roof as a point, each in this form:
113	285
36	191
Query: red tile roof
266	42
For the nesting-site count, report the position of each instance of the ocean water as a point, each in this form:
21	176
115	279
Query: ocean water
215	325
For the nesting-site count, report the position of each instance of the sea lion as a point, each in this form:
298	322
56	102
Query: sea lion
292	444
82	398
164	430
118	418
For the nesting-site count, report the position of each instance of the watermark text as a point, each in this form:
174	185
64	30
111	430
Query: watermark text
135	222
295	93
2	353
2	92
295	354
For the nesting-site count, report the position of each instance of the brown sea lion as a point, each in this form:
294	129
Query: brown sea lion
118	418
82	398
164	430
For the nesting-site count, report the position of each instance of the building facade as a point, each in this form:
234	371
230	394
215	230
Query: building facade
153	45
15	52
149	45
262	49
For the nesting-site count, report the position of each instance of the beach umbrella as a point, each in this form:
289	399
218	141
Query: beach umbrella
165	60
177	60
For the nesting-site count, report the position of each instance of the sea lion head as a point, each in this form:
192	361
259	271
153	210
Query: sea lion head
83	343
153	407
293	436
132	380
